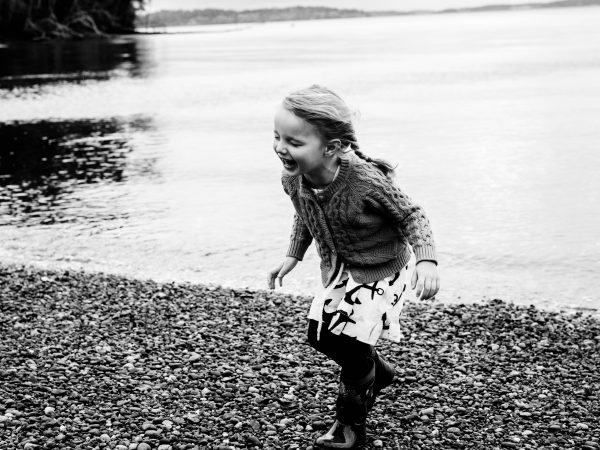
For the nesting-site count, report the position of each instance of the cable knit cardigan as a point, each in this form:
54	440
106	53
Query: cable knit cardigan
361	219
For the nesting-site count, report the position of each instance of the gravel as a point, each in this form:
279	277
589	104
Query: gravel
92	361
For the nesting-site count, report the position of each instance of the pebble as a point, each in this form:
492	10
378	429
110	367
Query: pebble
285	422
49	410
253	440
194	357
456	392
426	412
58	392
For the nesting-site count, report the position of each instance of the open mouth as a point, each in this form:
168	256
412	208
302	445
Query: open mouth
288	164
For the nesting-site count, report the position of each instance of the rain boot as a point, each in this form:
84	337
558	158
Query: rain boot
349	431
384	376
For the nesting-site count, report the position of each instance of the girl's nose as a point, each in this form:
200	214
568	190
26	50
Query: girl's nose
279	147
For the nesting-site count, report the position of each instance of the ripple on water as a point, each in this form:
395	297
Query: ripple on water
44	163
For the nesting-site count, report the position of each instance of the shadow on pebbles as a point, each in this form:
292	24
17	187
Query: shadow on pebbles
103	362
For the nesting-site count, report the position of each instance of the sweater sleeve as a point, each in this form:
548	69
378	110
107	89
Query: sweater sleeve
409	218
300	239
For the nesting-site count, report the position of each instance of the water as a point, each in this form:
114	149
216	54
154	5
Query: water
151	155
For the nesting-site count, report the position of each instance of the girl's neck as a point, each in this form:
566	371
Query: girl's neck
324	177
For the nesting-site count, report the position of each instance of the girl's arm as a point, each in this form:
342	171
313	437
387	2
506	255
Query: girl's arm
408	218
299	243
411	222
281	271
300	239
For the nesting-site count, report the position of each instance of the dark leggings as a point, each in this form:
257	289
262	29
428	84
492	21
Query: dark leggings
350	354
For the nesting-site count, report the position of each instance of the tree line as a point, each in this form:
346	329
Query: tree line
214	16
51	19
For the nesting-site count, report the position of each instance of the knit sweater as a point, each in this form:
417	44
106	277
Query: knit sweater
361	219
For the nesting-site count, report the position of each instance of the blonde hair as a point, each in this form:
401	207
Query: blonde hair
329	114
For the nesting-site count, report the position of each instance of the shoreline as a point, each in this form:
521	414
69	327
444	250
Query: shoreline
552	307
103	361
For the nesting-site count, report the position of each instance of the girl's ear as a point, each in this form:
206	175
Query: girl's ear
333	146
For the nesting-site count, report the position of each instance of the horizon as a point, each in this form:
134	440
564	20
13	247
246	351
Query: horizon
373	5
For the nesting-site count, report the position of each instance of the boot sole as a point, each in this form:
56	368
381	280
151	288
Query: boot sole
361	440
357	446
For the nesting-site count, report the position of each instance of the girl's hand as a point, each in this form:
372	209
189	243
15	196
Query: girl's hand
426	279
281	271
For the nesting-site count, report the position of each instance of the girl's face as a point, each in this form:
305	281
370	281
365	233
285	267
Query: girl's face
298	144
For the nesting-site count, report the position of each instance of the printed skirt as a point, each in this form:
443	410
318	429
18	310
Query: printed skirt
366	311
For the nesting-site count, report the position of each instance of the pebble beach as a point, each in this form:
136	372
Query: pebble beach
94	361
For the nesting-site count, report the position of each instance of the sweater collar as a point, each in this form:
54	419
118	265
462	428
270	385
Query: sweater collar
334	186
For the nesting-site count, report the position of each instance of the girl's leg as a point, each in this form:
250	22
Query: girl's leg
353	356
356	385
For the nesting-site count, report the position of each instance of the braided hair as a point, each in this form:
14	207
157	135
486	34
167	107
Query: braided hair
330	115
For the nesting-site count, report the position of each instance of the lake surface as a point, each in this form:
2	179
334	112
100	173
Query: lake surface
151	155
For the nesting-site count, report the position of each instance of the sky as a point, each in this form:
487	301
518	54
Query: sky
371	5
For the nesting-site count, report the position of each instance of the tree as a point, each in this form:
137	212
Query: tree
50	19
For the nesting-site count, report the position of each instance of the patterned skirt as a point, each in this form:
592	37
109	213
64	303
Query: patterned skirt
365	311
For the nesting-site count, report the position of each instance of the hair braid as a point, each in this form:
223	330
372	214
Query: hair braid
381	164
363	156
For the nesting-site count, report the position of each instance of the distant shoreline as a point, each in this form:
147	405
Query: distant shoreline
187	18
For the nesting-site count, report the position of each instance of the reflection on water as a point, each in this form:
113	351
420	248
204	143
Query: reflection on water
42	164
26	63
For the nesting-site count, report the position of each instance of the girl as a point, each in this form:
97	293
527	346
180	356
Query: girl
375	246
